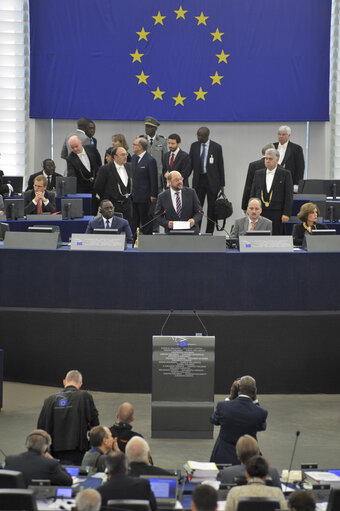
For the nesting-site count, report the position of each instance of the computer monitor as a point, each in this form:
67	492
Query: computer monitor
332	212
66	185
311	186
332	188
15	181
105	231
14	208
72	208
258	233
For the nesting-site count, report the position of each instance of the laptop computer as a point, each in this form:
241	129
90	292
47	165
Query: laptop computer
164	489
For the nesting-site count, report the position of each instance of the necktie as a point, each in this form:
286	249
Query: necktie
49	182
178	204
253	225
39	207
107	224
203	171
151	140
172	160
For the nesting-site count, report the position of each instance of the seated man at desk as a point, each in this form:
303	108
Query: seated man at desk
253	221
39	200
178	203
107	220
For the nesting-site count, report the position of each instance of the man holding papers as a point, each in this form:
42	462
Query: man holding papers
178	207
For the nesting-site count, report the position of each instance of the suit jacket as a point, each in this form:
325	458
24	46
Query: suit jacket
242	224
293	161
253	167
122	486
237	417
139	468
31	209
228	474
157	150
299	232
34	465
144	183
215	170
108	184
117	223
3	186
66	149
282	187
76	168
181	164
50	186
254	488
191	208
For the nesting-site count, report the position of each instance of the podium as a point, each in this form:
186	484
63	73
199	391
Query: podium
183	369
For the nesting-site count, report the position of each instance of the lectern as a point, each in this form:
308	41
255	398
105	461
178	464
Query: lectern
183	369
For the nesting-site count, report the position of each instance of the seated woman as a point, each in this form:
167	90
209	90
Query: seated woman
308	215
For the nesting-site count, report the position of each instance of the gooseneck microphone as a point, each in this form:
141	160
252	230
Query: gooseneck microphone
199	319
297	434
214	221
166	320
152	219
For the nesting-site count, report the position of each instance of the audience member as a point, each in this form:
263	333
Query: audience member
114	182
80	132
82	164
144	186
302	501
253	167
37	462
39	200
274	186
256	474
5	188
118	140
102	443
139	456
122	486
67	416
50	174
90	131
88	500
178	204
122	429
253	221
308	215
204	498
176	159
291	155
157	147
2	205
107	220
246	448
237	417
108	155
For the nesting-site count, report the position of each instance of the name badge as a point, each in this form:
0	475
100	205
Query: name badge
211	159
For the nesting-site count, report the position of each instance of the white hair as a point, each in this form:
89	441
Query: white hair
286	129
137	450
88	500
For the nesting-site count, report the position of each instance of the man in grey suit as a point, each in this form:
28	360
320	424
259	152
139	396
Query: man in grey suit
178	203
253	221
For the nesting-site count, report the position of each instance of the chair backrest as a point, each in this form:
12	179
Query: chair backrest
14	499
11	479
258	504
334	500
130	504
3	229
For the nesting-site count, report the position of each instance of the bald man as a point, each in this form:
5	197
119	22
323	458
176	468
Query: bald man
122	429
82	164
178	203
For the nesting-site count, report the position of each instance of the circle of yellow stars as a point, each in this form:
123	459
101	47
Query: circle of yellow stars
200	93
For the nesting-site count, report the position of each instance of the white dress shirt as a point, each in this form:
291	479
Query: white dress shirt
282	150
122	174
85	160
270	174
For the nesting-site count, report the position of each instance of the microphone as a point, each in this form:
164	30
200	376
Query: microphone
152	219
214	221
199	319
293	453
167	319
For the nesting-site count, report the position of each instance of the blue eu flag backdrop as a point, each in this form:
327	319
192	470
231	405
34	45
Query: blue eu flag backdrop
180	60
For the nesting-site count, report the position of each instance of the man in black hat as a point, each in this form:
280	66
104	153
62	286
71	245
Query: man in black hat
157	146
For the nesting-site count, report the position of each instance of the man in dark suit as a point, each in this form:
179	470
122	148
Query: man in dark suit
139	455
39	200
107	220
90	131
274	186
122	486
253	167
114	182
144	186
207	163
253	221
176	159
291	155
237	417
37	462
178	204
50	174
82	164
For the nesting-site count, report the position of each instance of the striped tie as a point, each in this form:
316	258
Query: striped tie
178	204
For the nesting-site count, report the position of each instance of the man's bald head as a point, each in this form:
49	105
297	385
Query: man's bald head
125	413
175	180
75	144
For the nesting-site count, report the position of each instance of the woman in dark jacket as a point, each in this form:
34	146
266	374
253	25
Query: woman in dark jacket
308	215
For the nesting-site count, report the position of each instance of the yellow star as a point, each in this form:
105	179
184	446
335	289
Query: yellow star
159	18
158	93
200	94
217	35
201	19
142	78
137	56
179	99
222	57
216	78
142	34
180	13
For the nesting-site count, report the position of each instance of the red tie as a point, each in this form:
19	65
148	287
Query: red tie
253	225
39	207
172	160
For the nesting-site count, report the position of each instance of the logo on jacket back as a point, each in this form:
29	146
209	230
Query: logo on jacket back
62	402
